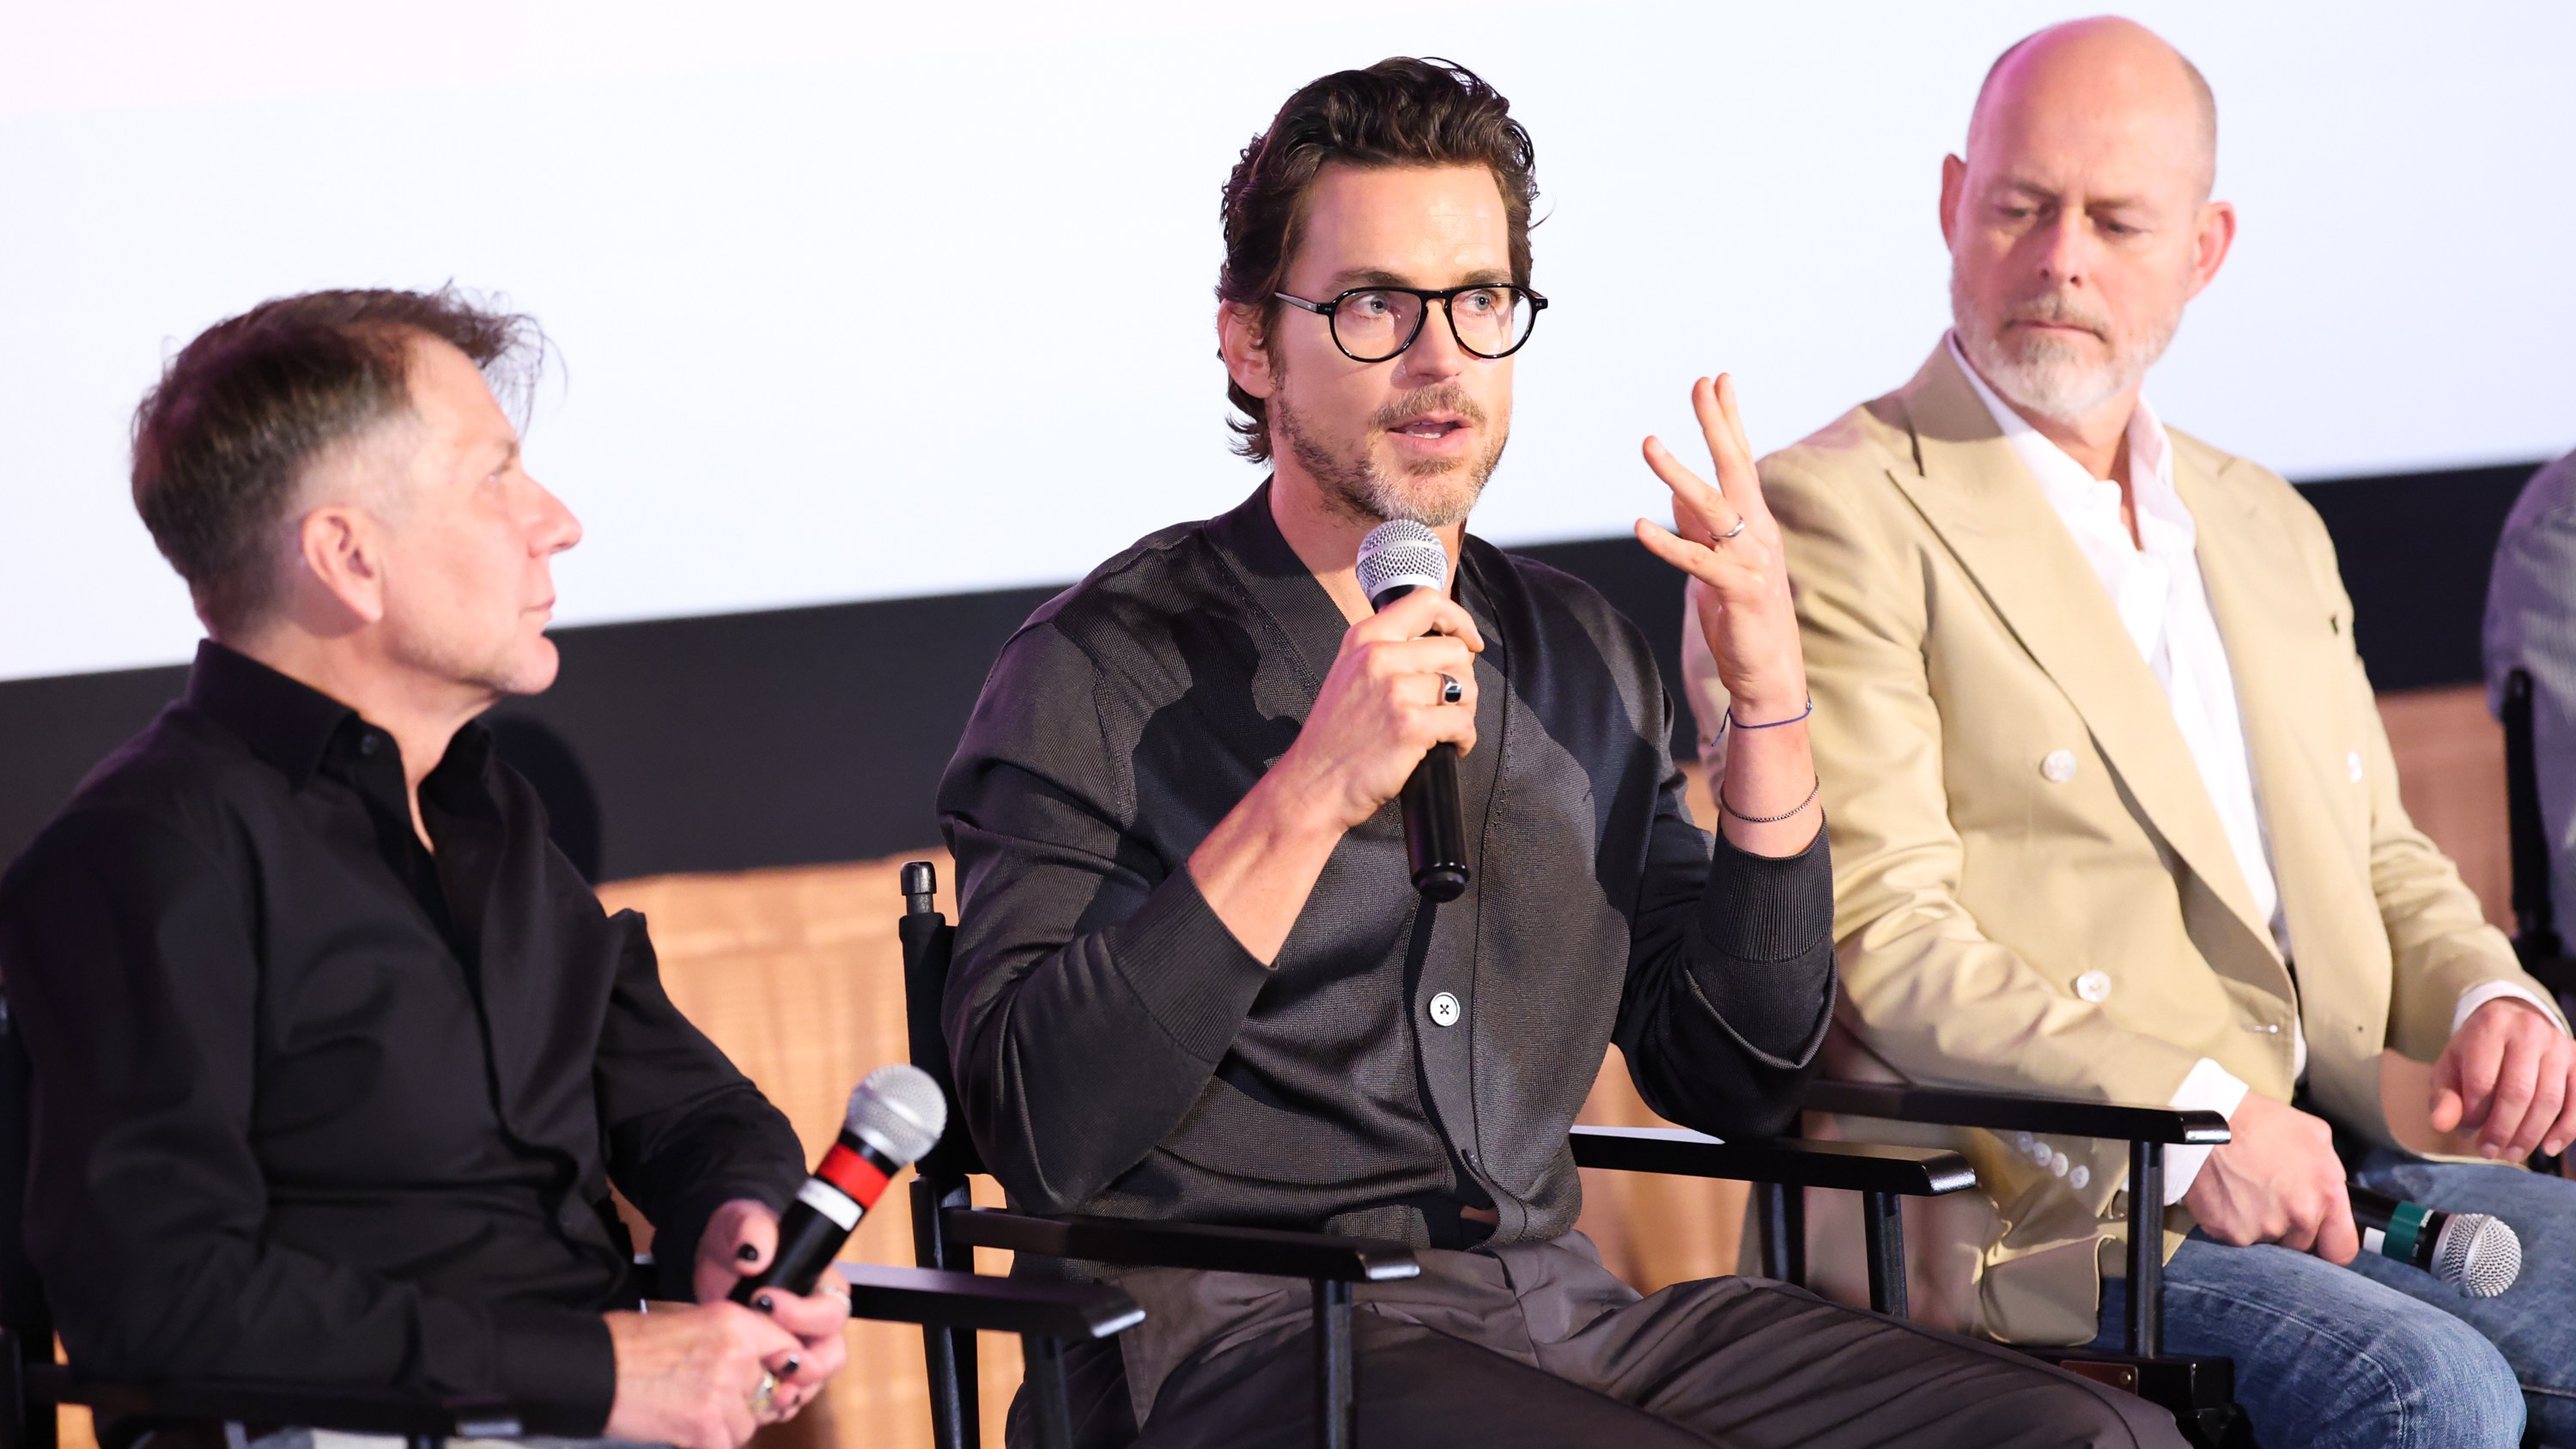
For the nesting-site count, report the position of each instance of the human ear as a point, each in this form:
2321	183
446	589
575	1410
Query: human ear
1240	341
1954	185
342	551
2212	236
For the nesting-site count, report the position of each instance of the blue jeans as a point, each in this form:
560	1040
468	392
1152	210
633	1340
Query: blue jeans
2381	1354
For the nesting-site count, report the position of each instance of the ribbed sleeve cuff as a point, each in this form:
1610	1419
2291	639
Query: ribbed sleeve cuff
1767	927
1196	981
1768	908
556	1366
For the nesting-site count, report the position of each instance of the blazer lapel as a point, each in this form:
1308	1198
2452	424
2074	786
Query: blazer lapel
1975	492
2290	733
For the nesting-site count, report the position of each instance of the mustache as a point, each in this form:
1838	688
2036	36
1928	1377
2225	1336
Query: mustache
2059	309
1447	397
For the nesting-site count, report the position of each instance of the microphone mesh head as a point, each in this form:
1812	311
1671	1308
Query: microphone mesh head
1401	552
899	1111
2480	1253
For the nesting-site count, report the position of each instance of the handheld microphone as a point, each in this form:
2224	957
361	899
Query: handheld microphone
1398	557
2477	1253
895	1116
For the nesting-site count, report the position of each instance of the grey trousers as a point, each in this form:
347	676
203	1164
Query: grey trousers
1537	1344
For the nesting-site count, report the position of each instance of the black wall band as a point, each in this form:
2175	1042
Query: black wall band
806	735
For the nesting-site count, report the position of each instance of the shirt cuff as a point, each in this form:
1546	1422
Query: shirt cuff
556	1367
2486	991
2208	1087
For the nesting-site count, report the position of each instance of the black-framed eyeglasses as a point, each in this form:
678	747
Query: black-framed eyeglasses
1372	324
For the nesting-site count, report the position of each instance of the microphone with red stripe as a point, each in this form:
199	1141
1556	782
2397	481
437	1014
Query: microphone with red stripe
895	1116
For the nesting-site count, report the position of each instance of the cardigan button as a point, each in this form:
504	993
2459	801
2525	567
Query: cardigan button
2058	767
1444	1010
2094	986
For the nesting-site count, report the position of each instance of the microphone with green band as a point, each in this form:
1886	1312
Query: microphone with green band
2477	1253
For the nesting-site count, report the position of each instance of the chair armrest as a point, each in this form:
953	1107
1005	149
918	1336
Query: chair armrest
352	1411
1854	1166
1138	1243
1068	1311
2018	1112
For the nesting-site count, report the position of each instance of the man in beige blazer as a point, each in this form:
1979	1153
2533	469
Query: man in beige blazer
2113	816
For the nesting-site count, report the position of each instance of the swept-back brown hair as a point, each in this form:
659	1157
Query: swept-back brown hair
223	440
1398	112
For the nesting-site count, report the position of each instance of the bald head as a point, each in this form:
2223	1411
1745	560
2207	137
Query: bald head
2079	221
2108	73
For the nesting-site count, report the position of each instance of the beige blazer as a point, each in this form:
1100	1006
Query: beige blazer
1956	639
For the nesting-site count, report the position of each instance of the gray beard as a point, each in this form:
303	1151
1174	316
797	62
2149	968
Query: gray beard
1358	489
2052	379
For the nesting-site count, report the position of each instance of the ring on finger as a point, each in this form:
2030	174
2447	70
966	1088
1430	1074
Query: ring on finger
1451	691
1718	538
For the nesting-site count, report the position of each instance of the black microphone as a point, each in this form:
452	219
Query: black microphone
1397	558
2477	1253
895	1116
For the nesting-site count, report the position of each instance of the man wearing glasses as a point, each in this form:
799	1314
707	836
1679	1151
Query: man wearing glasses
1194	980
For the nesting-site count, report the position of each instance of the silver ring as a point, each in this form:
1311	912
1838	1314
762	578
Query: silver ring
1451	691
1730	533
764	1400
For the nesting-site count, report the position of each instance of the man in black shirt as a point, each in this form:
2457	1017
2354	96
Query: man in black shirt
334	1057
1193	980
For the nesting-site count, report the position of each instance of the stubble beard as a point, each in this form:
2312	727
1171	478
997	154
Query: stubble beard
2050	377
1435	493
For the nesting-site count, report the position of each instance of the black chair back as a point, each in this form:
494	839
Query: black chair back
939	1179
2536	938
927	941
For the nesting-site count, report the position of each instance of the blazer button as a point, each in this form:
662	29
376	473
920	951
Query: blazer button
2093	986
2058	767
1444	1010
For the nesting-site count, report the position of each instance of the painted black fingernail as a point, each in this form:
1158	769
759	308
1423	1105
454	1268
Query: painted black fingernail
763	1303
747	1253
788	1369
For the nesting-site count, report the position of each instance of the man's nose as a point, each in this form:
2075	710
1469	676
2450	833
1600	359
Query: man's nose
2066	249
1435	355
556	529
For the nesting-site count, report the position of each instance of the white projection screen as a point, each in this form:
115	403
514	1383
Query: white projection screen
854	301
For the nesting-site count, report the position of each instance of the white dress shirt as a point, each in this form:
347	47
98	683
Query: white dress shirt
2154	581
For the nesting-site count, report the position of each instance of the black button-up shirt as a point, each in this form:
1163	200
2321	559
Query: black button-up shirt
1117	1051
310	1103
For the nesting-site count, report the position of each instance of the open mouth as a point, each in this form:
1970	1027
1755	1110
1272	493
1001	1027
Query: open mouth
1431	427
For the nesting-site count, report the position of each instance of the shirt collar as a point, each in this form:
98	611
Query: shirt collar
2070	486
287	723
296	728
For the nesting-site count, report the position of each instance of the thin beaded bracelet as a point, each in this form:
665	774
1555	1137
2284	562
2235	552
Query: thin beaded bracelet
1812	792
1734	723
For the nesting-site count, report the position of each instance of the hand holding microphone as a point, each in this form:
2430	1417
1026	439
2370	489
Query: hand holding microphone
674	1363
1398	559
1389	697
894	1117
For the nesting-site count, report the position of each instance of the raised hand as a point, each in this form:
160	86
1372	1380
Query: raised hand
1725	538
